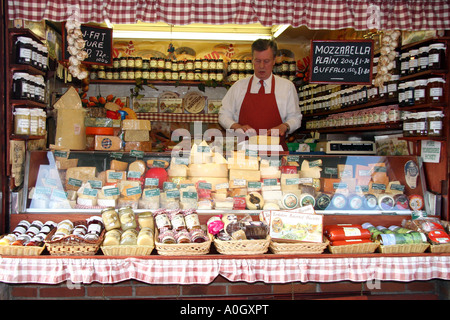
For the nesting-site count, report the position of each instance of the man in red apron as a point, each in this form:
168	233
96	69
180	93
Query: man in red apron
263	102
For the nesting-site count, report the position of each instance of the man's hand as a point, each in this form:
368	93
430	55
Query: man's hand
278	131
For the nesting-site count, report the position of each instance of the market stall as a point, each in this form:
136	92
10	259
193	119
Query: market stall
254	215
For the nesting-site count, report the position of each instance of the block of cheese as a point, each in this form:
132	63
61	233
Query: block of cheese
118	165
201	153
264	140
134	124
114	176
328	184
177	170
157	163
218	158
63	163
218	170
239	178
212	180
137	135
272	195
270	173
289	181
75	177
362	175
130	190
107	143
308	171
240	161
137	166
145	146
104	193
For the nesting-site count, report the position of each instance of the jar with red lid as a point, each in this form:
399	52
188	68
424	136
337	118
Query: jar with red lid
167	237
177	221
94	229
435	90
198	236
162	220
182	236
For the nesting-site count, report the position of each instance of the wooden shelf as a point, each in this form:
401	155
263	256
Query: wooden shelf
378	127
427	106
28	103
158	82
424	74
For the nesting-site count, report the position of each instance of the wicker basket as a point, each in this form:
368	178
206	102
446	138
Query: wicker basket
73	245
368	247
181	249
404	248
440	248
127	250
20	250
246	247
297	247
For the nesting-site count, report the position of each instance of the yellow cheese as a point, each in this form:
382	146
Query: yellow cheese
107	143
83	174
270	172
177	170
264	140
240	161
288	186
137	166
240	178
309	172
118	165
213	181
127	190
113	176
137	135
345	171
208	170
133	124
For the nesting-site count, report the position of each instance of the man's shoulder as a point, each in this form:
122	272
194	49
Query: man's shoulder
283	81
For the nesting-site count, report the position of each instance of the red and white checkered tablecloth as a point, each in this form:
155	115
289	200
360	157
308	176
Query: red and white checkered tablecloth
179	117
315	14
204	271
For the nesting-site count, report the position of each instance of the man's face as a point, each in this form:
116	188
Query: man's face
263	63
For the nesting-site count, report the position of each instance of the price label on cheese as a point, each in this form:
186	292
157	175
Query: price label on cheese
111	192
116	155
253	185
169	185
185	185
292	181
239	182
306	180
190	195
74	182
50	182
340	185
137	153
133	191
379	169
205	185
115	175
275	163
251	153
330	170
173	194
133	174
362	188
378	186
151	182
159	164
96	184
61	154
58	195
203	149
270	182
364	173
152	193
90	192
292	158
397	187
315	163
181	160
221	186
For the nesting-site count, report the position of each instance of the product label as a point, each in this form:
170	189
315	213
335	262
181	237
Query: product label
153	182
149	193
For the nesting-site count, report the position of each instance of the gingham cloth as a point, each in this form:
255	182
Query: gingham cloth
315	14
204	271
179	117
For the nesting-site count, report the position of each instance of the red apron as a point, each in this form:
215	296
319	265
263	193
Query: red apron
260	111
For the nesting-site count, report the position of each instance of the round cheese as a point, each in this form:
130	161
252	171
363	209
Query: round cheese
254	201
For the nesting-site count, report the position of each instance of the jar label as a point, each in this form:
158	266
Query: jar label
436	92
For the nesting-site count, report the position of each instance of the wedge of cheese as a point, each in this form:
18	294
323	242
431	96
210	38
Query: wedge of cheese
130	190
308	171
118	165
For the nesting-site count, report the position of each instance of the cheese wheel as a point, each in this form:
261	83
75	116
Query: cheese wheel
137	166
254	201
157	163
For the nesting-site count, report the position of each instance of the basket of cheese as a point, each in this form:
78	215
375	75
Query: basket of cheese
349	239
436	231
82	237
235	236
178	232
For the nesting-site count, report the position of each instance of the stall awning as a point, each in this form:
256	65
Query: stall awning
315	14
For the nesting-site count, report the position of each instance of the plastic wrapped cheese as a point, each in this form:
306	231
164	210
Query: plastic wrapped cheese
133	124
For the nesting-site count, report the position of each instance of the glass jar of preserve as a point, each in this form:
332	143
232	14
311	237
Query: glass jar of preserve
159	74
80	230
146	64
234	64
130	73
123	62
219	75
160	63
93	74
435	123
34	228
153	74
212	75
435	89
409	93
129	238
436	56
205	75
145	237
130	62
182	74
162	220
101	73
190	75
177	221
138	73
420	89
192	220
181	65
219	64
409	124
146	73
248	65
110	219
212	64
174	66
413	61
421	124
123	72
392	87
116	62
24	50
401	94
109	73
167	237
116	74
153	63
34	54
182	237
127	218
189	65
146	220
21	227
20	86
197	64
22	121
138	62
404	63
95	227
423	58
198	75
63	229
175	75
168	74
205	64
112	238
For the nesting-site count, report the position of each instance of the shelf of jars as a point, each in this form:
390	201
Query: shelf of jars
160	82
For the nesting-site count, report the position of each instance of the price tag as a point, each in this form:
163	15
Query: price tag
152	182
137	153
152	193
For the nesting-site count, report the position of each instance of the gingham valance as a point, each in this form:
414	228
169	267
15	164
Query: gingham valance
315	14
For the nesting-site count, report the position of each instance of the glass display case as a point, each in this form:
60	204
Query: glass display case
83	181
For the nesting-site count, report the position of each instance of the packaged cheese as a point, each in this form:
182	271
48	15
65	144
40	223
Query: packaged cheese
107	143
145	146
137	135
133	124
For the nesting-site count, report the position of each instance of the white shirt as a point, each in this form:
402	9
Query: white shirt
285	95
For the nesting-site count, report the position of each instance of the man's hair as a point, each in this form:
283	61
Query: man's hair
264	44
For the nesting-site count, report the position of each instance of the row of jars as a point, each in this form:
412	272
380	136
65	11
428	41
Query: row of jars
422	124
424	58
335	97
30	52
421	91
164	63
155	74
29	121
28	87
372	116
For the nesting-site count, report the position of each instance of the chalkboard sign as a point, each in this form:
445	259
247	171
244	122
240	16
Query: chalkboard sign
98	44
341	62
